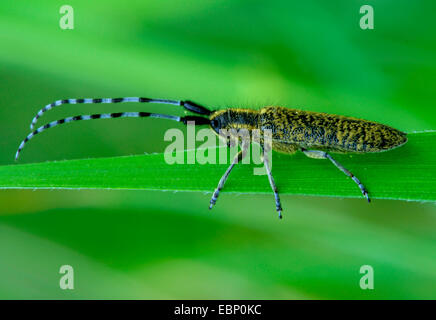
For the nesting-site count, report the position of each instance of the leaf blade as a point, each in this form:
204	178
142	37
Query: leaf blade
406	173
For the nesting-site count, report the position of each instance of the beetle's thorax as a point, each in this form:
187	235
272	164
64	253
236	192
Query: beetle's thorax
235	119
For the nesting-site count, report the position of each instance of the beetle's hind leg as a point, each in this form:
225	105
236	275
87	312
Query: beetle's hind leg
316	154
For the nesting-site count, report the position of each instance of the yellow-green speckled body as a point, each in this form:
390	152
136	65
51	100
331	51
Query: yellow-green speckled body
294	129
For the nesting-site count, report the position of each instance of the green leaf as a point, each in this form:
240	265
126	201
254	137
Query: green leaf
406	173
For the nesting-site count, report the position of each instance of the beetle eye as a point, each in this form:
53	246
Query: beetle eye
214	123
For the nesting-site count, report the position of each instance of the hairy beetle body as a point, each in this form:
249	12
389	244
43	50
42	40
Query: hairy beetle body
322	131
313	133
292	128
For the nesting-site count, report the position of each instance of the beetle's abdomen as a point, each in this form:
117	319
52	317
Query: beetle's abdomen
328	132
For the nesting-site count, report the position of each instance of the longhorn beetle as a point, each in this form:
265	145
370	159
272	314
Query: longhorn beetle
313	133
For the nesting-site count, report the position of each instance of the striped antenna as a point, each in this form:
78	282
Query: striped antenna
188	105
196	119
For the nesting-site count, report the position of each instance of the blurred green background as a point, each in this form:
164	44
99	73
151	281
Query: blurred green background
152	245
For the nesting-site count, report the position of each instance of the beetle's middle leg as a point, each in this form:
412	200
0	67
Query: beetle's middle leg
316	154
271	179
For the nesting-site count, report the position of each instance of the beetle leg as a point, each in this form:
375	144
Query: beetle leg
273	184
241	154
316	154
